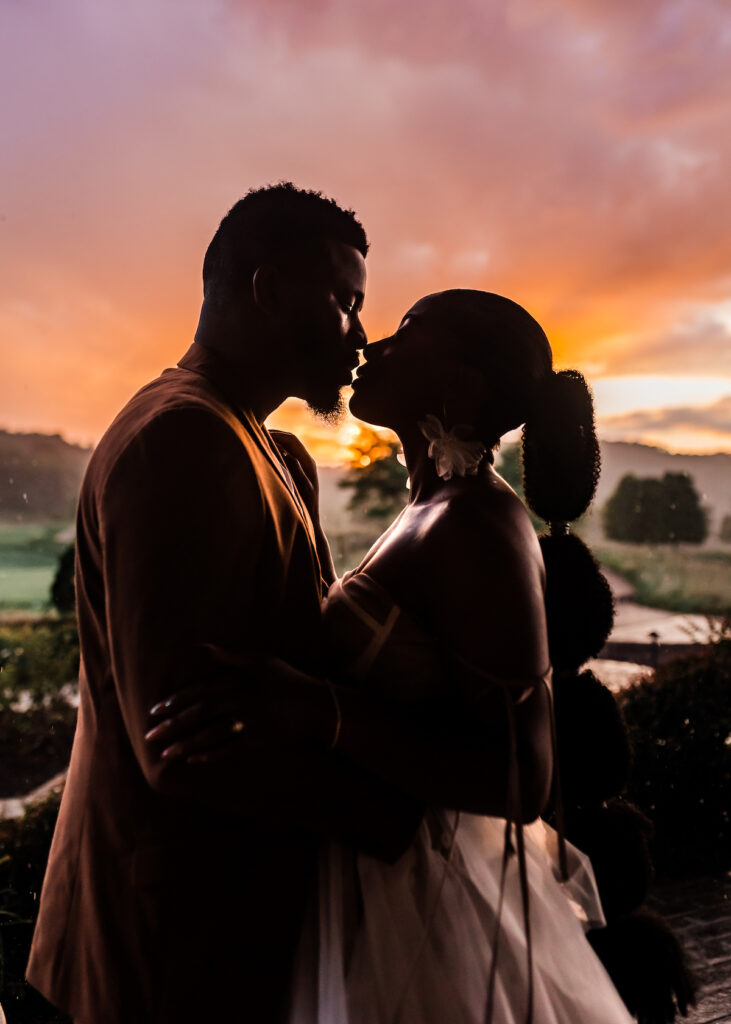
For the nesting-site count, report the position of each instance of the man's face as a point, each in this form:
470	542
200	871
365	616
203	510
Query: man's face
327	293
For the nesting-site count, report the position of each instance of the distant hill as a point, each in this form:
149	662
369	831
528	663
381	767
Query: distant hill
711	475
40	476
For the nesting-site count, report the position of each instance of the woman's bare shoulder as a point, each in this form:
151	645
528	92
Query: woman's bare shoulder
483	525
484	589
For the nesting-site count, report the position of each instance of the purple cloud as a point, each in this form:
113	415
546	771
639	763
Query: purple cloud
715	418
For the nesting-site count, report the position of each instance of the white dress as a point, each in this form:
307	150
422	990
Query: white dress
419	941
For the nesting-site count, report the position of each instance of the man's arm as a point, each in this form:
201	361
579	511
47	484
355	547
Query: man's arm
182	525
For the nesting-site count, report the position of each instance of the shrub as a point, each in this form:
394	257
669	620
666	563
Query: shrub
24	846
63	593
680	732
725	531
38	672
37	661
36	745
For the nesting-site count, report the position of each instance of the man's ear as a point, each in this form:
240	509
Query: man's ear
267	288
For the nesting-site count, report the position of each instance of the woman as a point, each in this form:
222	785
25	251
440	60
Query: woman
439	654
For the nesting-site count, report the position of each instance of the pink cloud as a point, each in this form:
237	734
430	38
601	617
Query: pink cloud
571	153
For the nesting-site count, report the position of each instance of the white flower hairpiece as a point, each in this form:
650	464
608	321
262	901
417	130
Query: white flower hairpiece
452	450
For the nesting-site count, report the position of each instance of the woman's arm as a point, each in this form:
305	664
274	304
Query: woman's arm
445	764
477	579
464	768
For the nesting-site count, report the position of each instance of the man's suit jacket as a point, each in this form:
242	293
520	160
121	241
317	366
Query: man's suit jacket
175	893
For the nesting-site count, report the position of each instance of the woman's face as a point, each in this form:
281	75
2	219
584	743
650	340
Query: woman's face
398	382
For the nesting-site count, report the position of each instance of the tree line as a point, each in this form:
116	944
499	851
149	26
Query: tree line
642	510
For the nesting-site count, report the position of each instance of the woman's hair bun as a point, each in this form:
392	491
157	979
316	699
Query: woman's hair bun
561	458
579	602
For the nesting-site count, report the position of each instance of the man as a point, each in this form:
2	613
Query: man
174	892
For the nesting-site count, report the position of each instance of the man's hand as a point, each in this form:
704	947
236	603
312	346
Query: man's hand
257	697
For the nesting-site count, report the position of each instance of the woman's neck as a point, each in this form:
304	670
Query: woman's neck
424	481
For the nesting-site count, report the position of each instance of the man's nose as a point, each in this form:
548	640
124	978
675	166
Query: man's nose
361	338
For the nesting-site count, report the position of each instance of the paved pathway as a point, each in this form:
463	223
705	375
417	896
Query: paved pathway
633	622
13	807
699	910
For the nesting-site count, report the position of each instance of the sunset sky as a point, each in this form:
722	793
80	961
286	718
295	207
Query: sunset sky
572	154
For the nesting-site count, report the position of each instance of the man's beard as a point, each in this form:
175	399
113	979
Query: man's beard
328	408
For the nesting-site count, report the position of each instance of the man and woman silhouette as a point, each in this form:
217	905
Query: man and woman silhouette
295	798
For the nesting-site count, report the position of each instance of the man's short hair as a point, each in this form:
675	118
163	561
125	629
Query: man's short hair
265	224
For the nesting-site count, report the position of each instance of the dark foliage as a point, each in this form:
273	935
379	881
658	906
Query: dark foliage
63	593
679	726
510	467
648	966
24	846
656	511
615	836
593	760
37	660
378	485
36	745
38	670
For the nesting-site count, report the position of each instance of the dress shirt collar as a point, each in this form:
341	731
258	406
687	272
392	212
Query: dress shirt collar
221	372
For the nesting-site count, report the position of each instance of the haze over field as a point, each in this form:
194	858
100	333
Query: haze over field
573	154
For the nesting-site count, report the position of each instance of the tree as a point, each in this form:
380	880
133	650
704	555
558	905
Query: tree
655	511
376	477
510	467
63	594
725	531
623	510
684	519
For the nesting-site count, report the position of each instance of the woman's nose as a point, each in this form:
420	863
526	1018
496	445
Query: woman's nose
374	348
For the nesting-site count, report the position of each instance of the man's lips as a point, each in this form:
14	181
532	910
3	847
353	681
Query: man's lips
363	368
360	376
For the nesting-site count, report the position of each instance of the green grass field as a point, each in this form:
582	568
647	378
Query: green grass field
28	560
682	578
679	579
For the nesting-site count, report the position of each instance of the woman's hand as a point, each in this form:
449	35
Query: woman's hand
252	697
